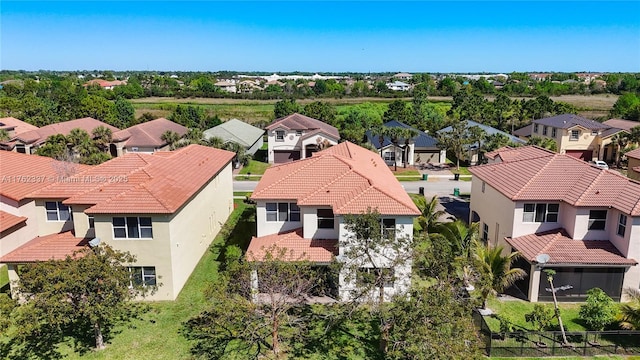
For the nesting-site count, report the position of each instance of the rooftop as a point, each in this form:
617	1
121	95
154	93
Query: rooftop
347	177
422	139
564	250
148	134
566	121
301	122
236	131
18	126
560	177
294	246
43	248
40	135
487	129
507	153
622	124
7	221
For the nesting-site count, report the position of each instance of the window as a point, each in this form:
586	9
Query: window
483	186
544	130
134	149
375	276
485	232
535	128
325	219
282	212
575	135
594	132
389	156
92	222
540	213
56	211
553	132
622	224
279	135
389	228
597	219
298	132
142	275
21	149
132	228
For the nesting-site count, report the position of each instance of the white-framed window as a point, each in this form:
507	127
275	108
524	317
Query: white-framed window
540	213
326	219
20	148
57	211
389	156
594	132
92	222
597	219
553	132
535	128
376	276
298	132
279	135
575	135
622	224
485	232
142	275
389	228
544	130
132	228
282	212
134	149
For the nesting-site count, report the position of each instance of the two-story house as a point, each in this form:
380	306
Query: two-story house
301	207
578	137
633	164
145	137
586	219
297	136
28	141
13	127
421	148
164	208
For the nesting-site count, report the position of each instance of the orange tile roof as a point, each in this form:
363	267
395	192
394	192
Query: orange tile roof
635	154
148	133
43	248
297	247
346	177
18	126
142	183
564	250
8	221
301	122
507	153
22	174
40	135
558	177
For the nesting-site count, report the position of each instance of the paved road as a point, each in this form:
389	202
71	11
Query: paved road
439	187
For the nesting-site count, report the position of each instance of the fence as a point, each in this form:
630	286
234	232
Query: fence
550	343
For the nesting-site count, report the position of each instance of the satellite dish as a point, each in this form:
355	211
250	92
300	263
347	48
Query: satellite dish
94	242
542	258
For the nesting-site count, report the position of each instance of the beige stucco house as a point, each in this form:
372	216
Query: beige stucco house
578	137
297	136
301	207
585	218
164	208
633	165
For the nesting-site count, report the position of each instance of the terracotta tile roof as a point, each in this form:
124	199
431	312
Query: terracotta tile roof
559	177
40	135
508	154
43	248
524	131
564	250
8	221
18	126
22	174
622	124
346	177
297	247
635	154
148	134
566	121
300	122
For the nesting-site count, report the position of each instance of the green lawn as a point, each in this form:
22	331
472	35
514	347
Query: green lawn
515	310
4	276
255	168
156	335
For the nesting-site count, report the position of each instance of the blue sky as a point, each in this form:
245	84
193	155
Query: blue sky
362	36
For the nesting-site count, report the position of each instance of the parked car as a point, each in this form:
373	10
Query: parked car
599	163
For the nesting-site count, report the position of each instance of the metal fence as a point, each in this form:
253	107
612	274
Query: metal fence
549	343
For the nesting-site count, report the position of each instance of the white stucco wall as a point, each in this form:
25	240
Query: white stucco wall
291	142
10	241
495	210
310	224
265	227
47	227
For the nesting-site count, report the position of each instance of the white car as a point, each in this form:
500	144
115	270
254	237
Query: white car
601	164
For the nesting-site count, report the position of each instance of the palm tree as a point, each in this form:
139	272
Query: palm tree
171	138
429	217
408	134
195	136
477	135
621	141
460	236
630	312
4	135
495	270
214	142
102	137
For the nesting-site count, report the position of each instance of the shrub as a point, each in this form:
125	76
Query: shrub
598	311
541	317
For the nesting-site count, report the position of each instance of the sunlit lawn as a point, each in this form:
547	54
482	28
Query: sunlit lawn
255	168
4	276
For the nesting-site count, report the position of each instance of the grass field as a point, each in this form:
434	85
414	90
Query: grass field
157	336
4	276
254	168
262	110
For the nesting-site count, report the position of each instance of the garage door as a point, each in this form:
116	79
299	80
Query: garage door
586	155
280	157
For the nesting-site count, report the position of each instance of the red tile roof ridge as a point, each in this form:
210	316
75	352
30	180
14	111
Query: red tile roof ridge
335	180
383	189
525	186
558	233
304	163
591	186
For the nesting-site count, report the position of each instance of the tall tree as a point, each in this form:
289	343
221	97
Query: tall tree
455	140
399	111
429	215
495	270
124	113
322	111
286	107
